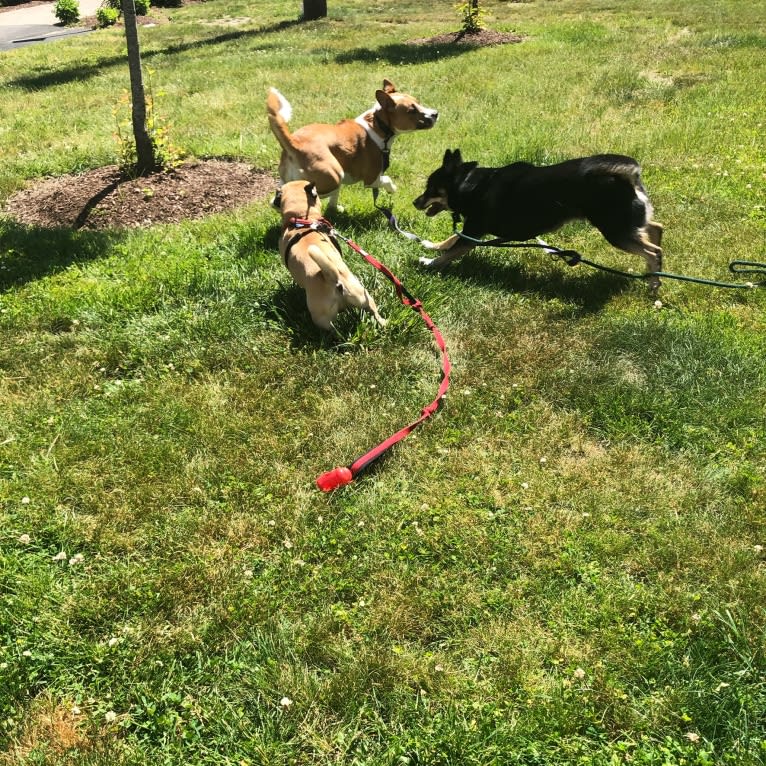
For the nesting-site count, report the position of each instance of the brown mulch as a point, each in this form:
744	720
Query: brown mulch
100	199
470	39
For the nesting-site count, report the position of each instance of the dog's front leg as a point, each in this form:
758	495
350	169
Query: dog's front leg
385	183
451	249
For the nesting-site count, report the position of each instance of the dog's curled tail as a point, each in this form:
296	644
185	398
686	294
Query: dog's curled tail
280	112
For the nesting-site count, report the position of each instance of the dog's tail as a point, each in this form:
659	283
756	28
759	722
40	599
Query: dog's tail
614	165
336	272
280	112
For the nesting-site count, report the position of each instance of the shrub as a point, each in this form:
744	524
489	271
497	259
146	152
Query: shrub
142	7
106	17
67	11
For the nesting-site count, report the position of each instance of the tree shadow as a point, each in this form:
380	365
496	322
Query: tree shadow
47	79
406	53
28	253
92	203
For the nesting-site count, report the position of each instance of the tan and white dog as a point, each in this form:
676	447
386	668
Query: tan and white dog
350	151
313	259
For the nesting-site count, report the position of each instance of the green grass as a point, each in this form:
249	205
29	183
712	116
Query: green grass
564	566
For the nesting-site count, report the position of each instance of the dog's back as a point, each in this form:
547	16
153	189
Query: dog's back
521	200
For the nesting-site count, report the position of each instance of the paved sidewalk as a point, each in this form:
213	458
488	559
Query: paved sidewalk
38	23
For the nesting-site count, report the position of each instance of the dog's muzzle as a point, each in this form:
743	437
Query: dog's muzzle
432	205
427	119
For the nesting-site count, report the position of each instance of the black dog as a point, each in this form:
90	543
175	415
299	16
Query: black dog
520	201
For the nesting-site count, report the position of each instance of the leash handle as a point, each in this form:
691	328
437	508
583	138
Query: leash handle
339	477
391	218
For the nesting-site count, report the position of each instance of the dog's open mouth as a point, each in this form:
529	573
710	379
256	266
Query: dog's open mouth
431	205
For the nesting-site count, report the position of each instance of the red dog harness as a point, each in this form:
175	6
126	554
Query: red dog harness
303	227
338	477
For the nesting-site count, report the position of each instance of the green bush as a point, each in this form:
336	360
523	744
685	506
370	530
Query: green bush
142	6
106	17
67	11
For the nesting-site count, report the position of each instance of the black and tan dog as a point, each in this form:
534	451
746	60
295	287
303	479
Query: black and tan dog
351	150
520	201
313	259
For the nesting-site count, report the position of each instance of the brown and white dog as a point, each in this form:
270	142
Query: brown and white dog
350	151
313	259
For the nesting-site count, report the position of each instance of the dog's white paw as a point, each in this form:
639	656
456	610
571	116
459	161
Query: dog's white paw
427	262
427	244
387	184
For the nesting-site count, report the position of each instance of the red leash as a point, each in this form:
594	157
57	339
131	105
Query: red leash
339	477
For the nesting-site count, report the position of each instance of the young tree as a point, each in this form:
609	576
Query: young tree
146	161
314	9
471	17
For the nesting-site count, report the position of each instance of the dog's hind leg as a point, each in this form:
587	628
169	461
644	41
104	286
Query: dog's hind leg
654	232
640	243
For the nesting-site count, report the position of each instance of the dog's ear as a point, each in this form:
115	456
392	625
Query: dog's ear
388	86
452	158
385	100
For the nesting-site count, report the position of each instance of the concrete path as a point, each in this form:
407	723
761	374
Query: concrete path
38	23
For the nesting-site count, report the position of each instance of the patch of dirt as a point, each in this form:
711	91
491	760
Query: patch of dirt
142	21
470	39
101	199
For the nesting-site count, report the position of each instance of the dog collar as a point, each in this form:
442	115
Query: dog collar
383	143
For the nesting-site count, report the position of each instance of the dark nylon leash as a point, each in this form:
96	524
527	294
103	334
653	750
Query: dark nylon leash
573	258
339	477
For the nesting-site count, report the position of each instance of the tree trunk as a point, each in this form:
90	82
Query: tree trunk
313	9
145	160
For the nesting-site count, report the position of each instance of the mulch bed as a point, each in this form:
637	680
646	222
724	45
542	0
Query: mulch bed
101	199
470	39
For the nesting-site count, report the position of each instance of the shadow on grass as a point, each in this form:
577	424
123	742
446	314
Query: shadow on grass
590	294
51	78
405	53
28	253
288	307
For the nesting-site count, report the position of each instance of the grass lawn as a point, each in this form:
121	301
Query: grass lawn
564	566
